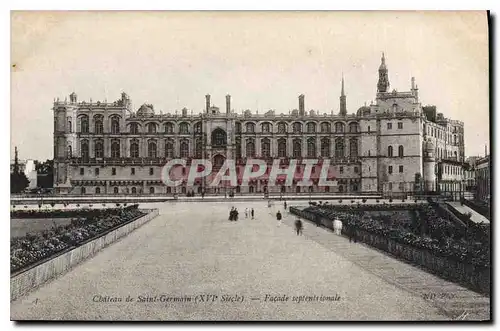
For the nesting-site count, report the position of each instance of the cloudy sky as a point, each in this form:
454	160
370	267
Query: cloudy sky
263	59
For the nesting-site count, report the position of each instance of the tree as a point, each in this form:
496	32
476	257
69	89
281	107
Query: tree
18	180
45	172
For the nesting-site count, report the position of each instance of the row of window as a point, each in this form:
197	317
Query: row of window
442	134
297	127
390	169
113	171
400	126
390	151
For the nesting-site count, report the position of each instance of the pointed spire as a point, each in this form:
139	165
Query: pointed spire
383	58
342	91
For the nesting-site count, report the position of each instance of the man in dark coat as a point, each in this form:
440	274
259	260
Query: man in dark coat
298	227
252	212
278	216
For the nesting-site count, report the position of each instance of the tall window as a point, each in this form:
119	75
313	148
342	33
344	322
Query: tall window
297	148
219	138
325	127
325	147
400	125
84	124
339	148
400	151
237	127
282	147
134	149
353	127
151	128
311	127
84	148
134	128
184	148
169	127
238	147
99	149
389	151
390	169
266	147
250	127
353	147
311	147
297	127
198	148
183	128
266	127
152	151
97	190
281	127
169	150
115	125
98	126
250	148
339	127
389	126
115	149
197	127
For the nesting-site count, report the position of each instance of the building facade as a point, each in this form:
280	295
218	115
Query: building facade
107	148
483	179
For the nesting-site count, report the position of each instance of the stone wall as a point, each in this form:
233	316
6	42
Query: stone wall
24	282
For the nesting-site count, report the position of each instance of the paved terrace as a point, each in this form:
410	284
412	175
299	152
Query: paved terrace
463	209
193	249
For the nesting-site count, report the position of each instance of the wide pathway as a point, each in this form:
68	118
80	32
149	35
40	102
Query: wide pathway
475	216
192	249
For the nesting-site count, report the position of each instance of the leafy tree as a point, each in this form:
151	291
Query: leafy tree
18	180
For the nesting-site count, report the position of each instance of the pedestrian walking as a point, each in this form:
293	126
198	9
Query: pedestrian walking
278	217
231	214
298	227
252	212
246	212
285	205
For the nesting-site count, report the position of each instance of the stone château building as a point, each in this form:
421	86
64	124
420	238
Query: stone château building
108	148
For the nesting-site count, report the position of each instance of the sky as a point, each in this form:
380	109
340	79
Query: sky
264	60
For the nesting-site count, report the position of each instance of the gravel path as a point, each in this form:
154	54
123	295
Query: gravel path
192	249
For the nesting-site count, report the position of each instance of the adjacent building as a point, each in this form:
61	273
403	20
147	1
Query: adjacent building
392	146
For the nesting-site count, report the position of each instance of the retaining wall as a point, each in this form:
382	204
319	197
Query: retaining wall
28	280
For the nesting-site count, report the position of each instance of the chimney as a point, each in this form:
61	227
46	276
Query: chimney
207	102
228	104
301	105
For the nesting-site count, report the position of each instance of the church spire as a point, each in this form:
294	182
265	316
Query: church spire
383	76
343	104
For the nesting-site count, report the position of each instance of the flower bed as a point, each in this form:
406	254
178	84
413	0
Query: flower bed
88	224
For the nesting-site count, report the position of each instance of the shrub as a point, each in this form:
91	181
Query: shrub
364	200
39	206
52	204
13	206
403	200
390	199
90	205
377	200
340	200
118	205
78	205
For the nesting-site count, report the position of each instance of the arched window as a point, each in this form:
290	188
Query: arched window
115	125
353	147
281	127
84	191
70	126
389	151
311	147
134	128
266	127
250	127
265	147
401	151
339	148
115	149
152	150
250	148
282	147
184	148
84	124
169	150
98	126
297	148
97	190
237	127
311	127
134	190
115	190
98	149
183	128
198	148
169	127
151	190
70	151
339	127
197	127
341	188
251	189
134	149
325	127
325	147
84	150
151	128
219	138
353	127
169	190
297	189
297	127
